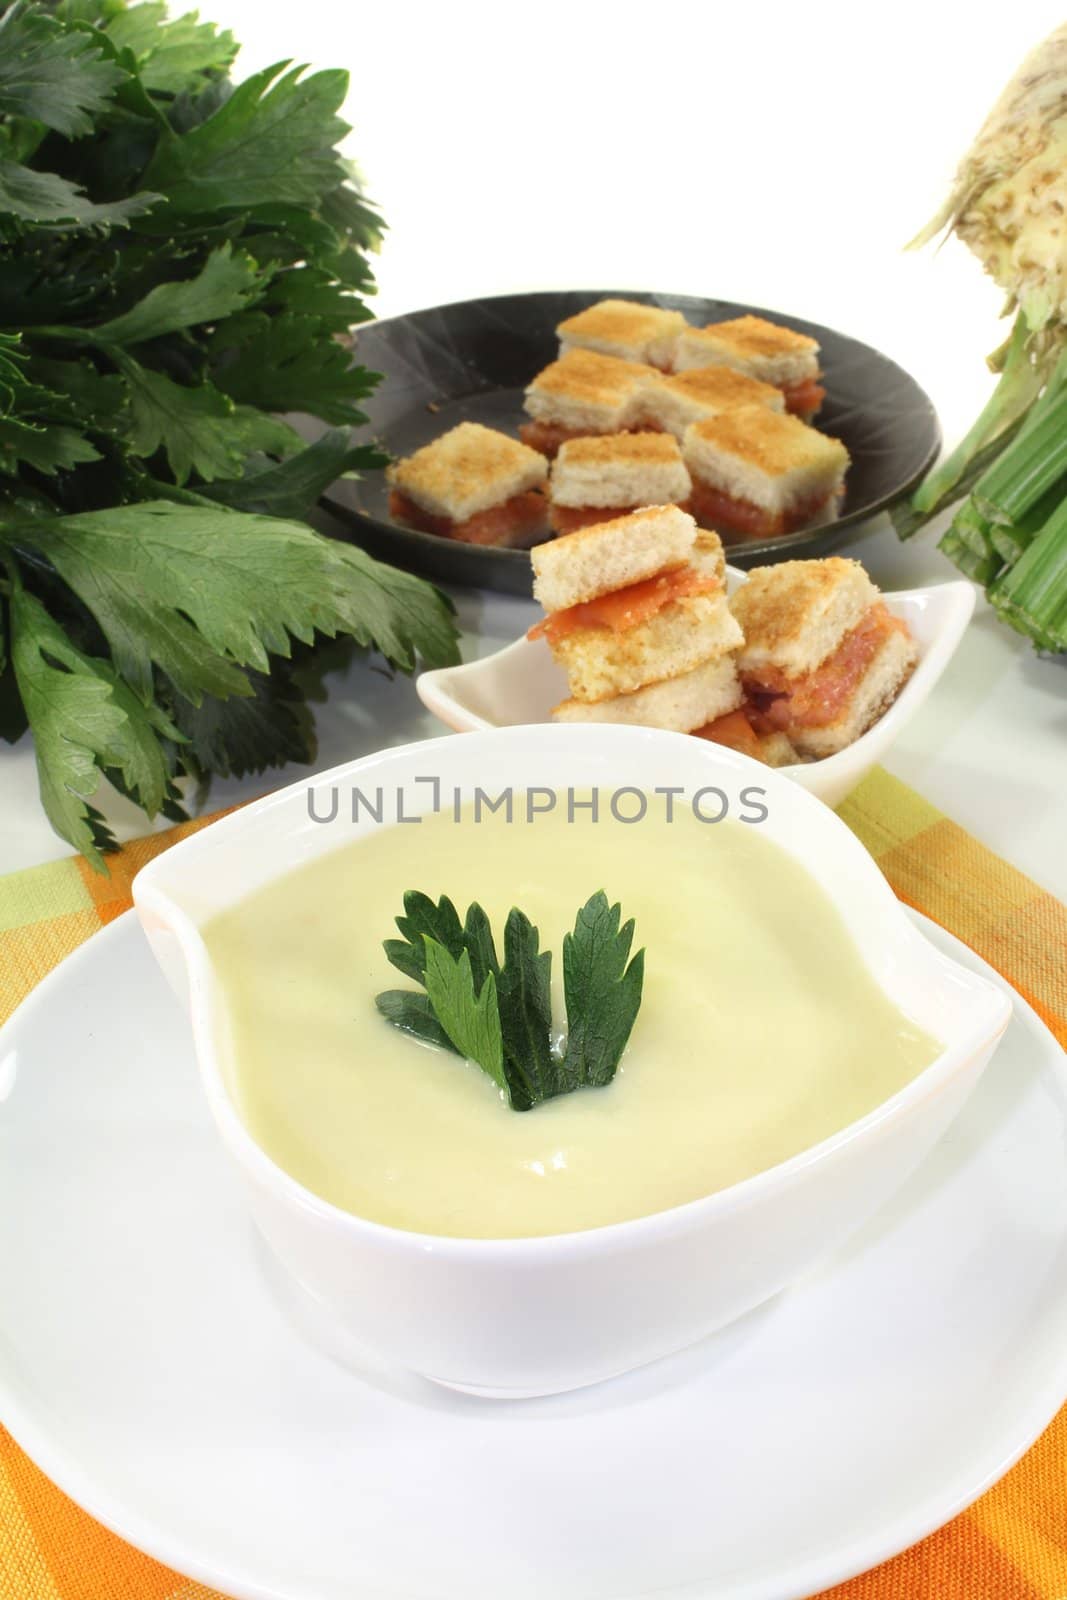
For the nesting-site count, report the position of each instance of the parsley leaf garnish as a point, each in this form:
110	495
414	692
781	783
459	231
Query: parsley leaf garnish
524	989
469	1016
603	993
500	1015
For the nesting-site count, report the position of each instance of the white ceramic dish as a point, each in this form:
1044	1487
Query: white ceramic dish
149	1365
521	684
537	1316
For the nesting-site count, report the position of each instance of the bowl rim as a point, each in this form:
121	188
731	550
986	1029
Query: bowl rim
672	1221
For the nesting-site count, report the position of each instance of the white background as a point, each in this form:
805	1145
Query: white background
775	153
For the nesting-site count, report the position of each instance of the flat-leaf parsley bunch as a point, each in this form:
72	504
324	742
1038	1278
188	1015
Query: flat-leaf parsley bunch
179	255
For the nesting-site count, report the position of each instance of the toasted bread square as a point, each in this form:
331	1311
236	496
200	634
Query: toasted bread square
708	556
622	469
468	470
624	328
752	345
585	391
795	615
676	402
877	689
766	457
679	704
611	555
686	633
777	750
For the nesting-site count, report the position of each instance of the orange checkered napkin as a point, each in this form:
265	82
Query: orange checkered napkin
1010	1545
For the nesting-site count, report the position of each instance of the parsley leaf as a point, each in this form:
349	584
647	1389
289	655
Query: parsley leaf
524	989
424	919
413	1013
468	1015
500	1016
603	994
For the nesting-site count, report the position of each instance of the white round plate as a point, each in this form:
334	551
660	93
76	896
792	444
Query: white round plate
151	1365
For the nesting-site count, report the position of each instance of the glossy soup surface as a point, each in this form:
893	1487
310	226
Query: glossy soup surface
760	1033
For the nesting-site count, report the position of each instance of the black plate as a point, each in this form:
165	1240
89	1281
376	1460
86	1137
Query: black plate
471	362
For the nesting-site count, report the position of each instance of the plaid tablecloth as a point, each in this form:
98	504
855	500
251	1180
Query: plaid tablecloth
1010	1545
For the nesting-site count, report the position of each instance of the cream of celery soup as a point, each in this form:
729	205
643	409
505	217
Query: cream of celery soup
760	1031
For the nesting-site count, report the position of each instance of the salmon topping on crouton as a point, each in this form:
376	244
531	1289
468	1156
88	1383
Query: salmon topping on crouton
626	608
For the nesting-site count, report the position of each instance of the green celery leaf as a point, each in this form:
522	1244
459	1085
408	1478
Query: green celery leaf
346	209
259	432
190	424
413	1013
49	449
13	720
603	994
171	55
525	999
316	292
294	487
51	75
292	363
84	721
12	369
84	269
225	284
294	234
46	199
203	592
71	391
197	104
469	1018
234	737
269	143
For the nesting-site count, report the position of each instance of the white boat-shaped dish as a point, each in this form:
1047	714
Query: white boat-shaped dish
521	683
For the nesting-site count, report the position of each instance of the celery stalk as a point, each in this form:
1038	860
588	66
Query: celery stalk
1032	594
1034	461
1019	384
